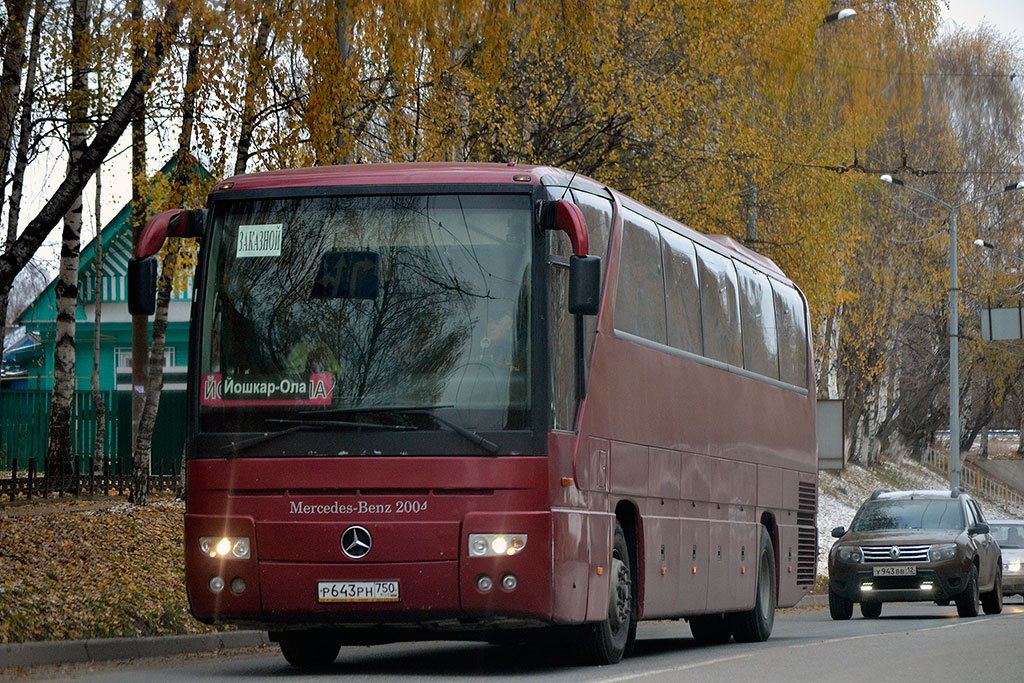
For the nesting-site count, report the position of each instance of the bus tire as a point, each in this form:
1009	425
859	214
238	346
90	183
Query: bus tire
755	625
607	641
309	648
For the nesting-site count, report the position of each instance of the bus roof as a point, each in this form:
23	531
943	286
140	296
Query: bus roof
392	174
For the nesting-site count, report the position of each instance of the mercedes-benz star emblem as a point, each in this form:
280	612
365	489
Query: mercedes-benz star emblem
356	542
894	552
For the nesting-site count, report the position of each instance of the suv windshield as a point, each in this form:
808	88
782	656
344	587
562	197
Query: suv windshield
359	302
883	515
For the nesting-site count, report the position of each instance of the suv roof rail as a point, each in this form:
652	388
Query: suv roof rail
877	492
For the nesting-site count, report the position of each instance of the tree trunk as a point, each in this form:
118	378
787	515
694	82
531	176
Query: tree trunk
10	79
21	155
143	444
140	323
59	458
248	122
97	395
139	490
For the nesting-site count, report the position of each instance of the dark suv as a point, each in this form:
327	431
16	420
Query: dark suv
915	546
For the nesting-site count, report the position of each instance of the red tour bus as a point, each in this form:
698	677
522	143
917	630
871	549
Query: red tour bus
490	402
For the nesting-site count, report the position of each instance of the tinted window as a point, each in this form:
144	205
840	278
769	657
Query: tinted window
720	318
640	299
757	320
884	515
789	316
682	293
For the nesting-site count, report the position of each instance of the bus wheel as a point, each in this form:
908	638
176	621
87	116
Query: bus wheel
754	626
606	641
309	648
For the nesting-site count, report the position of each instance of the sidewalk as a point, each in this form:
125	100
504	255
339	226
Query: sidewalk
52	652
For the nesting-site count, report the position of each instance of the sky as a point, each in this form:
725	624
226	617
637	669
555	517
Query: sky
1006	16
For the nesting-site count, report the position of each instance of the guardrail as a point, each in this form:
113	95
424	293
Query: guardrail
975	480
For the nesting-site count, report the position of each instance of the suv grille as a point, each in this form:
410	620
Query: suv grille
906	553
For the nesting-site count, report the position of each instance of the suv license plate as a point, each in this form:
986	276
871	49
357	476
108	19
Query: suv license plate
357	591
894	571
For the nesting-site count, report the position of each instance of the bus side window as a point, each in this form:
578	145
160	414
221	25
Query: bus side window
719	306
562	341
789	312
597	211
640	299
682	292
757	321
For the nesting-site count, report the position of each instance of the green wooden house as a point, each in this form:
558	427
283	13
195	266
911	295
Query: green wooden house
28	379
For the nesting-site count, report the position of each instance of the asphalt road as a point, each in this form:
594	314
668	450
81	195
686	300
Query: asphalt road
919	642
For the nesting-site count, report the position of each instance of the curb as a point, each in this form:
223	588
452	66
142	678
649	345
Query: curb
40	653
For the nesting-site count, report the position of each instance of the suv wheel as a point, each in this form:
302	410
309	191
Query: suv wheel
839	607
871	609
992	602
967	602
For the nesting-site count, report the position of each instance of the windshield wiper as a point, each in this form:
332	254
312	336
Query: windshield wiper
304	425
468	434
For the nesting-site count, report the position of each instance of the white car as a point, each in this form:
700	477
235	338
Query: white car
1009	533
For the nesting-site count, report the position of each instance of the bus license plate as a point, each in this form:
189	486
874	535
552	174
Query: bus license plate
357	591
894	571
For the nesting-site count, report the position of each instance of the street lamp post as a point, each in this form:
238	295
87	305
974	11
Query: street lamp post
954	321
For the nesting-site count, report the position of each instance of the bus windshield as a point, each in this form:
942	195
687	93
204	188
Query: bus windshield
369	303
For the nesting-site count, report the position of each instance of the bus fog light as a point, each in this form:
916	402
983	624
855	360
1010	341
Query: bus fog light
484	584
217	584
496	545
509	582
237	585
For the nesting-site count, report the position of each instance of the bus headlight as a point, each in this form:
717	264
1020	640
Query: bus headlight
236	547
495	545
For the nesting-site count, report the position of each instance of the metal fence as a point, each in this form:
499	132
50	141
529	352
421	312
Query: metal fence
25	419
113	480
975	480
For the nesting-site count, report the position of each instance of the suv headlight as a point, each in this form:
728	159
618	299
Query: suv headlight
942	551
849	553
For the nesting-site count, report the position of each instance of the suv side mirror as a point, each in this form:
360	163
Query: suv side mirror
839	532
979	528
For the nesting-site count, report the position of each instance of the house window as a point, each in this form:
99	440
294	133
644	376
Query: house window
123	358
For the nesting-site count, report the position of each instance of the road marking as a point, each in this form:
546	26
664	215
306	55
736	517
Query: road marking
816	643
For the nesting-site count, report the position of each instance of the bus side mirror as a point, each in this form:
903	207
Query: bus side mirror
142	286
565	216
170	223
584	285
